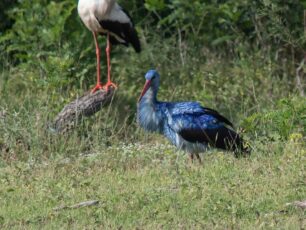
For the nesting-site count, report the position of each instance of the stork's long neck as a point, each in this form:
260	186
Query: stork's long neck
149	97
149	114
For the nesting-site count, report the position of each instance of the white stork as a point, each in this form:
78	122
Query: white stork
106	17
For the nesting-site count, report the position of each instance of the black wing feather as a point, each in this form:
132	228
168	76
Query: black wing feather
217	115
125	31
222	137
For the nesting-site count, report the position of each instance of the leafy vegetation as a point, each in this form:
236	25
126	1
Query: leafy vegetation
243	58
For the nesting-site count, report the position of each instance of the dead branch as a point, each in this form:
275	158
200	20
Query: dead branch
86	105
300	204
79	205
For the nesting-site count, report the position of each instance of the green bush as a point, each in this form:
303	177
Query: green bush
287	120
214	23
46	42
5	21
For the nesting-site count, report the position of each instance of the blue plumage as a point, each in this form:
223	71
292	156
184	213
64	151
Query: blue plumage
187	125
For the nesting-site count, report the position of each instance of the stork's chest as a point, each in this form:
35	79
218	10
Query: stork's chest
89	11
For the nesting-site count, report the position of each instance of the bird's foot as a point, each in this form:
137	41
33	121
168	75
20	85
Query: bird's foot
97	87
110	84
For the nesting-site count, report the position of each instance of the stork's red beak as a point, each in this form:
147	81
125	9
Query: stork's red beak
145	88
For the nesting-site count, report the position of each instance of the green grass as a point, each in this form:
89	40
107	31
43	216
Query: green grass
141	181
151	186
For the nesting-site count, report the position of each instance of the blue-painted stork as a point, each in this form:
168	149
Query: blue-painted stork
106	17
187	125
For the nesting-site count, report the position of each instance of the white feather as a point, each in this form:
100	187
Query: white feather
93	11
118	15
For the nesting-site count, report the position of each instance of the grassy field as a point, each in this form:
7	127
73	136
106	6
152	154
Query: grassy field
242	58
151	186
141	182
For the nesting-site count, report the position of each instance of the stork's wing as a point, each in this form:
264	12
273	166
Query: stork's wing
123	33
206	128
121	28
180	108
218	116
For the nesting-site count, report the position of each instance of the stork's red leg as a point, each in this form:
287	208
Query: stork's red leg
98	85
108	49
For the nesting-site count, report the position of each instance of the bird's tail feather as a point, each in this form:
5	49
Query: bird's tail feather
134	40
229	140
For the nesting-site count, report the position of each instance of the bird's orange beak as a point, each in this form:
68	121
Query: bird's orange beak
145	88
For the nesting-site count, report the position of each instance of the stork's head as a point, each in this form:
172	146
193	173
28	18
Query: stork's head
152	83
151	74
